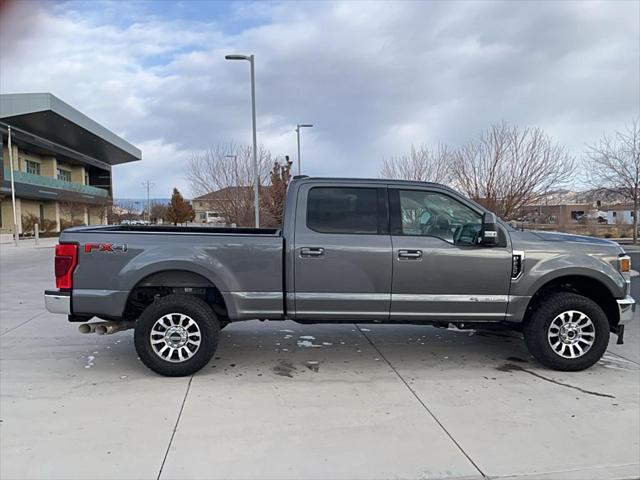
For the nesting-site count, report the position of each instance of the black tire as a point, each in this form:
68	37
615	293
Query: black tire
547	309
195	309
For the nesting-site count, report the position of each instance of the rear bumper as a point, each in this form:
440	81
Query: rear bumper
626	306
56	301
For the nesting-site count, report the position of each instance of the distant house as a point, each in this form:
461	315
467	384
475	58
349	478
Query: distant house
620	214
232	206
559	214
214	207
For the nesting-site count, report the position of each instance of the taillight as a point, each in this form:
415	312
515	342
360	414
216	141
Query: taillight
65	262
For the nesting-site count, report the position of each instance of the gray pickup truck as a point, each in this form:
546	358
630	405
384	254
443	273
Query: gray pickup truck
349	251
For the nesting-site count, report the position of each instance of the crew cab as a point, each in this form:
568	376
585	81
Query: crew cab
350	250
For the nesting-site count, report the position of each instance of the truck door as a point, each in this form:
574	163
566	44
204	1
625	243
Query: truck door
342	252
440	273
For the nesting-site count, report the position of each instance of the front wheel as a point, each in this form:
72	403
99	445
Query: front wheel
567	332
177	335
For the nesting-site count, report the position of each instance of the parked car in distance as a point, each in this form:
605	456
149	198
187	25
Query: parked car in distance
350	250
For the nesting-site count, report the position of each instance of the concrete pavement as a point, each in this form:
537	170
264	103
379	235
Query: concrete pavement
283	400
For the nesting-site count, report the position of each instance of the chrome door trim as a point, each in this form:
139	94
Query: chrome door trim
418	297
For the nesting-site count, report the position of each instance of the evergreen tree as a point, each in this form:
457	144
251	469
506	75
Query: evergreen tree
180	210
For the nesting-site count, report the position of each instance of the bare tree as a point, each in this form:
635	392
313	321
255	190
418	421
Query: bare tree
74	211
100	209
273	198
158	212
613	165
131	211
421	164
510	167
227	170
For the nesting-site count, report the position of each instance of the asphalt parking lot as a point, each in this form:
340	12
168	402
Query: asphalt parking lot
283	400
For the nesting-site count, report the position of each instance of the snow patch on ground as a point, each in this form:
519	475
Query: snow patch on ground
307	337
307	344
90	360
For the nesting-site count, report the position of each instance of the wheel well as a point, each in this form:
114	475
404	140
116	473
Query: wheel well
167	282
586	286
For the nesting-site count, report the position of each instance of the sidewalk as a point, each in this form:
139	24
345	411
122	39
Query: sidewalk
27	245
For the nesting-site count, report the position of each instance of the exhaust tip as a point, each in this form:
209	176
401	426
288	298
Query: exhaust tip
101	330
85	328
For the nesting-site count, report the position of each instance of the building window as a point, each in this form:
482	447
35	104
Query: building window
64	175
32	167
86	179
615	214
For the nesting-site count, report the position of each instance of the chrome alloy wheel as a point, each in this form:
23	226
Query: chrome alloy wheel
175	337
571	334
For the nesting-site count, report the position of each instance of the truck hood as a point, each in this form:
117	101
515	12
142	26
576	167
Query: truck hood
568	237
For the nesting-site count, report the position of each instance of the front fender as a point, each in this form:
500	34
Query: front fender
540	271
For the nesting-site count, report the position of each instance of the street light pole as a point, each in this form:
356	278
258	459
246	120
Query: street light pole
256	180
298	127
13	189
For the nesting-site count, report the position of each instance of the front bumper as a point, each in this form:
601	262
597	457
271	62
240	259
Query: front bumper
626	307
56	301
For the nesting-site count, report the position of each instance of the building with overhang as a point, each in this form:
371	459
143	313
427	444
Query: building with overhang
62	164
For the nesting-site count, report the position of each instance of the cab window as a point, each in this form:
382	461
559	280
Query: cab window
343	210
434	214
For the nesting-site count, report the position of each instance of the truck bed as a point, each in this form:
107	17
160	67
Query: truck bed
245	265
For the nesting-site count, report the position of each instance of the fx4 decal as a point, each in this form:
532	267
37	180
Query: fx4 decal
105	247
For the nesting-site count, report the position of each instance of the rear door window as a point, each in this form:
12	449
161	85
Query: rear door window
343	210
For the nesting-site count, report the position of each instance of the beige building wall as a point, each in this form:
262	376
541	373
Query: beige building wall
77	174
5	157
79	214
97	216
47	163
48	166
52	212
30	207
7	215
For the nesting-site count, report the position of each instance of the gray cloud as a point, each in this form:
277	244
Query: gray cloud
373	77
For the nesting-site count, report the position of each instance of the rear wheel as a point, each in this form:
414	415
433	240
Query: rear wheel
567	331
177	335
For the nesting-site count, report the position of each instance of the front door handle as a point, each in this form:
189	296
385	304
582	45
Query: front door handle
311	252
409	254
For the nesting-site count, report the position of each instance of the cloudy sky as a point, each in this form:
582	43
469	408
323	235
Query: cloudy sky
373	77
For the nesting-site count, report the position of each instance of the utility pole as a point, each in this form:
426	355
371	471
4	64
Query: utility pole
148	185
13	190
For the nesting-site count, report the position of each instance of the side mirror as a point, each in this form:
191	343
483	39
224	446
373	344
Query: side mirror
489	230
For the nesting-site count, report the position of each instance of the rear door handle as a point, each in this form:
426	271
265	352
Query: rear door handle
409	254
311	252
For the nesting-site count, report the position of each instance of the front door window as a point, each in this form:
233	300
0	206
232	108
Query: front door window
431	214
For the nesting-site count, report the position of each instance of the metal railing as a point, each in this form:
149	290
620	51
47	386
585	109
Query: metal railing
31	179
